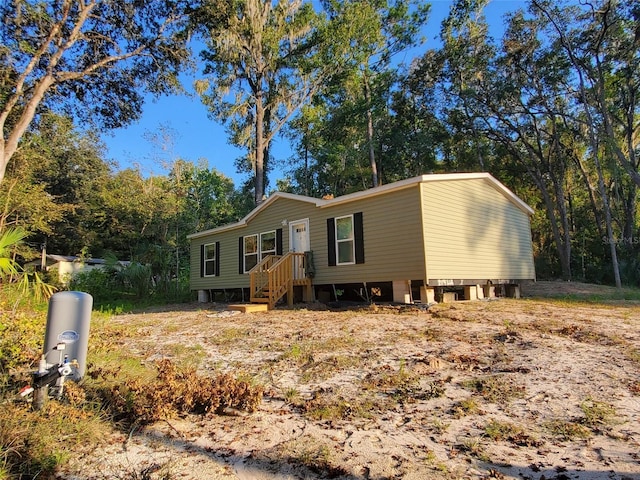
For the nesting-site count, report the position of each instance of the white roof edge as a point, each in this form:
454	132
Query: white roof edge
389	187
432	177
321	203
222	228
243	221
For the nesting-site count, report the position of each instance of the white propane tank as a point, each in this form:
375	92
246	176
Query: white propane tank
68	322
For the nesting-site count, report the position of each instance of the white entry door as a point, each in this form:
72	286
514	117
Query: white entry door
299	236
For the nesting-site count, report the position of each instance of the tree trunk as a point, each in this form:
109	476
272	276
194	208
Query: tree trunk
592	195
564	221
608	223
4	161
562	246
595	145
9	140
372	155
259	151
630	206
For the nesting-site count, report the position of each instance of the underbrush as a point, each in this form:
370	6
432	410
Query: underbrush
135	284
35	444
112	396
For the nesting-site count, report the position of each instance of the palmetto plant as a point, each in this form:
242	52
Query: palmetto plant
11	271
9	239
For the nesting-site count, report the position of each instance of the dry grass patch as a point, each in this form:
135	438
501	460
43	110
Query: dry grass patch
587	335
598	415
35	444
324	368
510	432
566	430
402	385
174	391
463	408
309	453
331	406
379	394
475	447
500	389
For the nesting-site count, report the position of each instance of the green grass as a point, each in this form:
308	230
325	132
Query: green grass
298	354
633	354
31	443
230	336
474	446
609	295
186	355
314	455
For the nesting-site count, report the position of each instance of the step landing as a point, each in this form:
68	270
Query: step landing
249	307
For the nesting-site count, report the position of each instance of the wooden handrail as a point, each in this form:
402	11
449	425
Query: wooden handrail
273	277
258	277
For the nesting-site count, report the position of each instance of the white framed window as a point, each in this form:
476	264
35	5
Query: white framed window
210	260
250	252
267	244
345	240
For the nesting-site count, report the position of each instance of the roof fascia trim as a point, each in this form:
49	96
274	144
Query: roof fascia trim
243	221
372	192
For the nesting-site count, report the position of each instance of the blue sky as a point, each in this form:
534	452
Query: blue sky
195	136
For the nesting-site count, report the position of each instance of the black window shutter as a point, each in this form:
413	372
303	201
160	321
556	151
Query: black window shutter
331	241
358	236
241	255
217	268
202	260
279	241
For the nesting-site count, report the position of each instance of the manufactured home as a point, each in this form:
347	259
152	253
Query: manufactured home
415	240
67	266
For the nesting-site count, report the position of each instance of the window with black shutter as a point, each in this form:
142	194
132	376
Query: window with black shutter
345	240
253	248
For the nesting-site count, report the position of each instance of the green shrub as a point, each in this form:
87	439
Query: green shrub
36	444
21	339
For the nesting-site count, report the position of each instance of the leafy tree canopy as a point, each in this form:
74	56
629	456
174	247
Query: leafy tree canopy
90	59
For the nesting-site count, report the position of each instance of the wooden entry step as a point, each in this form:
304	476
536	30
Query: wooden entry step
249	307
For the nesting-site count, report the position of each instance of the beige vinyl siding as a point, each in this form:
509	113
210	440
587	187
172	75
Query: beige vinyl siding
393	243
269	219
473	231
454	227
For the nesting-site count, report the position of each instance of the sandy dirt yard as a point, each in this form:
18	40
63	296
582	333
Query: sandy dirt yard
535	388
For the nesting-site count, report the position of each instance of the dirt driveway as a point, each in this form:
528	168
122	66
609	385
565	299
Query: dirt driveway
525	389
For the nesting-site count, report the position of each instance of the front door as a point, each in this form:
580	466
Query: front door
299	235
